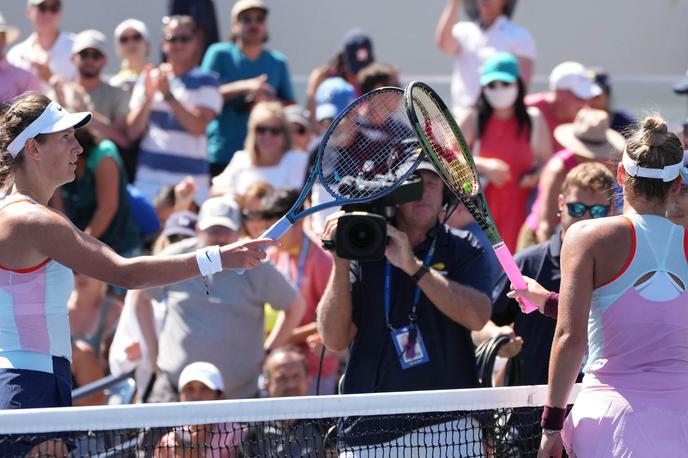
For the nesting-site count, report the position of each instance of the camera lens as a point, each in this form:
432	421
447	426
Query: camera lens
362	235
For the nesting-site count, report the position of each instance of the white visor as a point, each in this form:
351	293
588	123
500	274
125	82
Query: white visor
666	174
53	119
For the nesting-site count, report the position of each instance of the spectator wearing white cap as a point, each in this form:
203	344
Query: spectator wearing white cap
48	50
133	47
472	42
15	80
110	104
571	86
201	381
223	324
249	73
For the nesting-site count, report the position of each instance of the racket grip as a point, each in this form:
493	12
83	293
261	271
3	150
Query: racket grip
513	273
274	232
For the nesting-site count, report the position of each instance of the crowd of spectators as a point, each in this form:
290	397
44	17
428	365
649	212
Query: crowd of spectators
210	146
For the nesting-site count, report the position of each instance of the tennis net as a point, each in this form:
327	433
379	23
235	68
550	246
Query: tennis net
482	422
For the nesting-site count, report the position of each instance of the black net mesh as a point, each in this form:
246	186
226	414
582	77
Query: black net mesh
501	432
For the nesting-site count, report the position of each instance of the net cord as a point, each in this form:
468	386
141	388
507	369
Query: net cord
252	410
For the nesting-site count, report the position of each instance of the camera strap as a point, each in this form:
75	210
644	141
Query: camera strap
416	295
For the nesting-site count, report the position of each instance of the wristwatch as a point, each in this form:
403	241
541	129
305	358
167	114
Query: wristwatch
419	273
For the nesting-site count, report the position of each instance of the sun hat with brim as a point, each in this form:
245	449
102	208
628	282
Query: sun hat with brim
11	33
53	119
589	135
501	66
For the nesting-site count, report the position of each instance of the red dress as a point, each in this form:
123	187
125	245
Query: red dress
501	139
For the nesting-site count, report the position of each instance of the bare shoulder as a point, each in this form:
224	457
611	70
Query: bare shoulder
594	232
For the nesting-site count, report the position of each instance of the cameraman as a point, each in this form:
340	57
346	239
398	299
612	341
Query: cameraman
407	320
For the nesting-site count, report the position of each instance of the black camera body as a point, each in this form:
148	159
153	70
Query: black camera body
362	230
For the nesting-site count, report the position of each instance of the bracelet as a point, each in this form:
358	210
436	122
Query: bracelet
420	273
550	432
551	305
553	418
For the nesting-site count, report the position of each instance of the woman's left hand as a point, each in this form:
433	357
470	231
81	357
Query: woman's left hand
551	445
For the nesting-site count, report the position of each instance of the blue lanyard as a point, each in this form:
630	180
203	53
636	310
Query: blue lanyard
300	266
416	294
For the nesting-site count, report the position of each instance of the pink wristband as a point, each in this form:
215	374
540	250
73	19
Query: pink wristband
553	418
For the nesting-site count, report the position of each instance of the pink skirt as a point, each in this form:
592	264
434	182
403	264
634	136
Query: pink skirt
608	422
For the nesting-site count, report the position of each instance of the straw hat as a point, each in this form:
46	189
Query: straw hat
11	33
589	135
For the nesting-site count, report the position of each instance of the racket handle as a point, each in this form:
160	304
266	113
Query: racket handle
513	273
275	232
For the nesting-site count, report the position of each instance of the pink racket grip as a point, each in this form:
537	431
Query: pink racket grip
513	273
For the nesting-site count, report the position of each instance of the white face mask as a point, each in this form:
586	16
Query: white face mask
502	96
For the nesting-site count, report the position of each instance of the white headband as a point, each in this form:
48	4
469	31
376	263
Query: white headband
53	119
666	173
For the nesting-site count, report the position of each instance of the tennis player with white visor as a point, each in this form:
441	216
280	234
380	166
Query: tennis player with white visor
39	249
623	294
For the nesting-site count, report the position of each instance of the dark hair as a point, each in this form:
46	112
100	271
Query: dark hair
280	202
520	110
652	146
16	116
376	75
88	139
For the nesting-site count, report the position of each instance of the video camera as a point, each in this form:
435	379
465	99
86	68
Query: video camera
362	230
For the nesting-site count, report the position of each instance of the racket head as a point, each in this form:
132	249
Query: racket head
442	140
368	149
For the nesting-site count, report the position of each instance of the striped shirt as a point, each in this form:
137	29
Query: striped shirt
168	152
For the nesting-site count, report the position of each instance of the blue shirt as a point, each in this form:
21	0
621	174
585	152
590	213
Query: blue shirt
227	131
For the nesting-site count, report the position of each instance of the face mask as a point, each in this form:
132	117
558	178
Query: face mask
502	97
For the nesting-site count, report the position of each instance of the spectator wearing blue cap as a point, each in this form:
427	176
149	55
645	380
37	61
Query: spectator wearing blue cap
248	73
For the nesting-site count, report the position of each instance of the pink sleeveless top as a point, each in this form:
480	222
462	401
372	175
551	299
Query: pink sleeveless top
502	139
34	324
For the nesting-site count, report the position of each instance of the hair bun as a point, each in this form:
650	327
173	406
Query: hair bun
655	129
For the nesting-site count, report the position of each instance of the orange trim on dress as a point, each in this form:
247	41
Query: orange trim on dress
28	270
630	256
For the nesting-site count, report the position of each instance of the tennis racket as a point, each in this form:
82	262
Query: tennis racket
364	155
445	145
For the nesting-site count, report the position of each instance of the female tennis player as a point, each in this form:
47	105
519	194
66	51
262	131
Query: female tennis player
39	249
624	281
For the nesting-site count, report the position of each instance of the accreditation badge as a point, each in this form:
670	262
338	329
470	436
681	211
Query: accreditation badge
409	346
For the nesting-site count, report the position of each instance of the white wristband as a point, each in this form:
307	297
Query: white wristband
208	260
215	259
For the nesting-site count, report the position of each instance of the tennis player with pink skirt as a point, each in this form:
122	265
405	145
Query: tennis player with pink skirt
624	282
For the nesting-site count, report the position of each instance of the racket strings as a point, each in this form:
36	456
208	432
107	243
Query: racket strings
368	150
445	144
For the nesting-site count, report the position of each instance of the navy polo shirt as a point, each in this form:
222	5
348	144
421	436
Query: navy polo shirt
373	362
540	262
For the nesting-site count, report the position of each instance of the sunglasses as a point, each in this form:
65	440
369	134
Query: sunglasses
185	39
54	8
124	39
577	210
260	130
249	18
86	54
301	130
254	216
496	84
